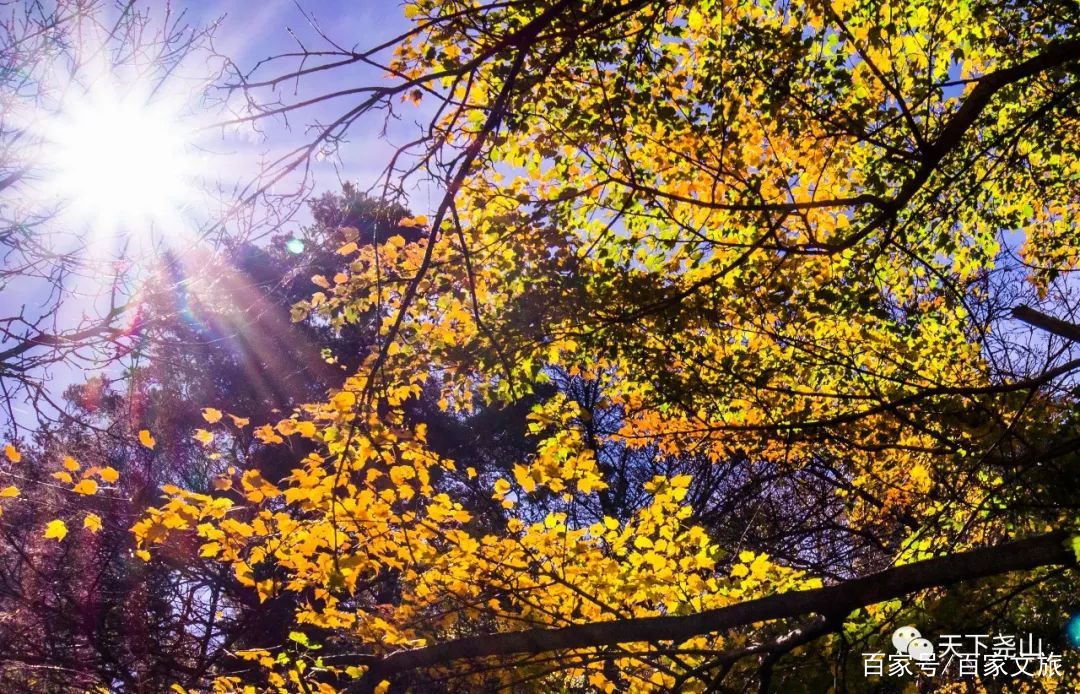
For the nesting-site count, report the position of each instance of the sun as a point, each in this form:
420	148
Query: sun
121	163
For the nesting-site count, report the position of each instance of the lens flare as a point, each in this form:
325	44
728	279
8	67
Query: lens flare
1072	630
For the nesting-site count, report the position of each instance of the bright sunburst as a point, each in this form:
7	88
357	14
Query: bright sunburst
120	162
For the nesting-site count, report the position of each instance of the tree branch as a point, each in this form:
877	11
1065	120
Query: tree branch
1042	321
833	602
1055	55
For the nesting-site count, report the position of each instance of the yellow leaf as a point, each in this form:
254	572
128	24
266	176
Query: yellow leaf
142	554
348	248
739	570
306	429
400	473
92	522
70	464
240	422
86	487
267	435
211	415
344	400
12	454
257	487
56	530
921	477
759	567
203	436
109	474
63	476
695	20
524	478
9	492
146	439
589	483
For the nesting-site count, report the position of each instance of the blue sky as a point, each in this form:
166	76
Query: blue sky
251	32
